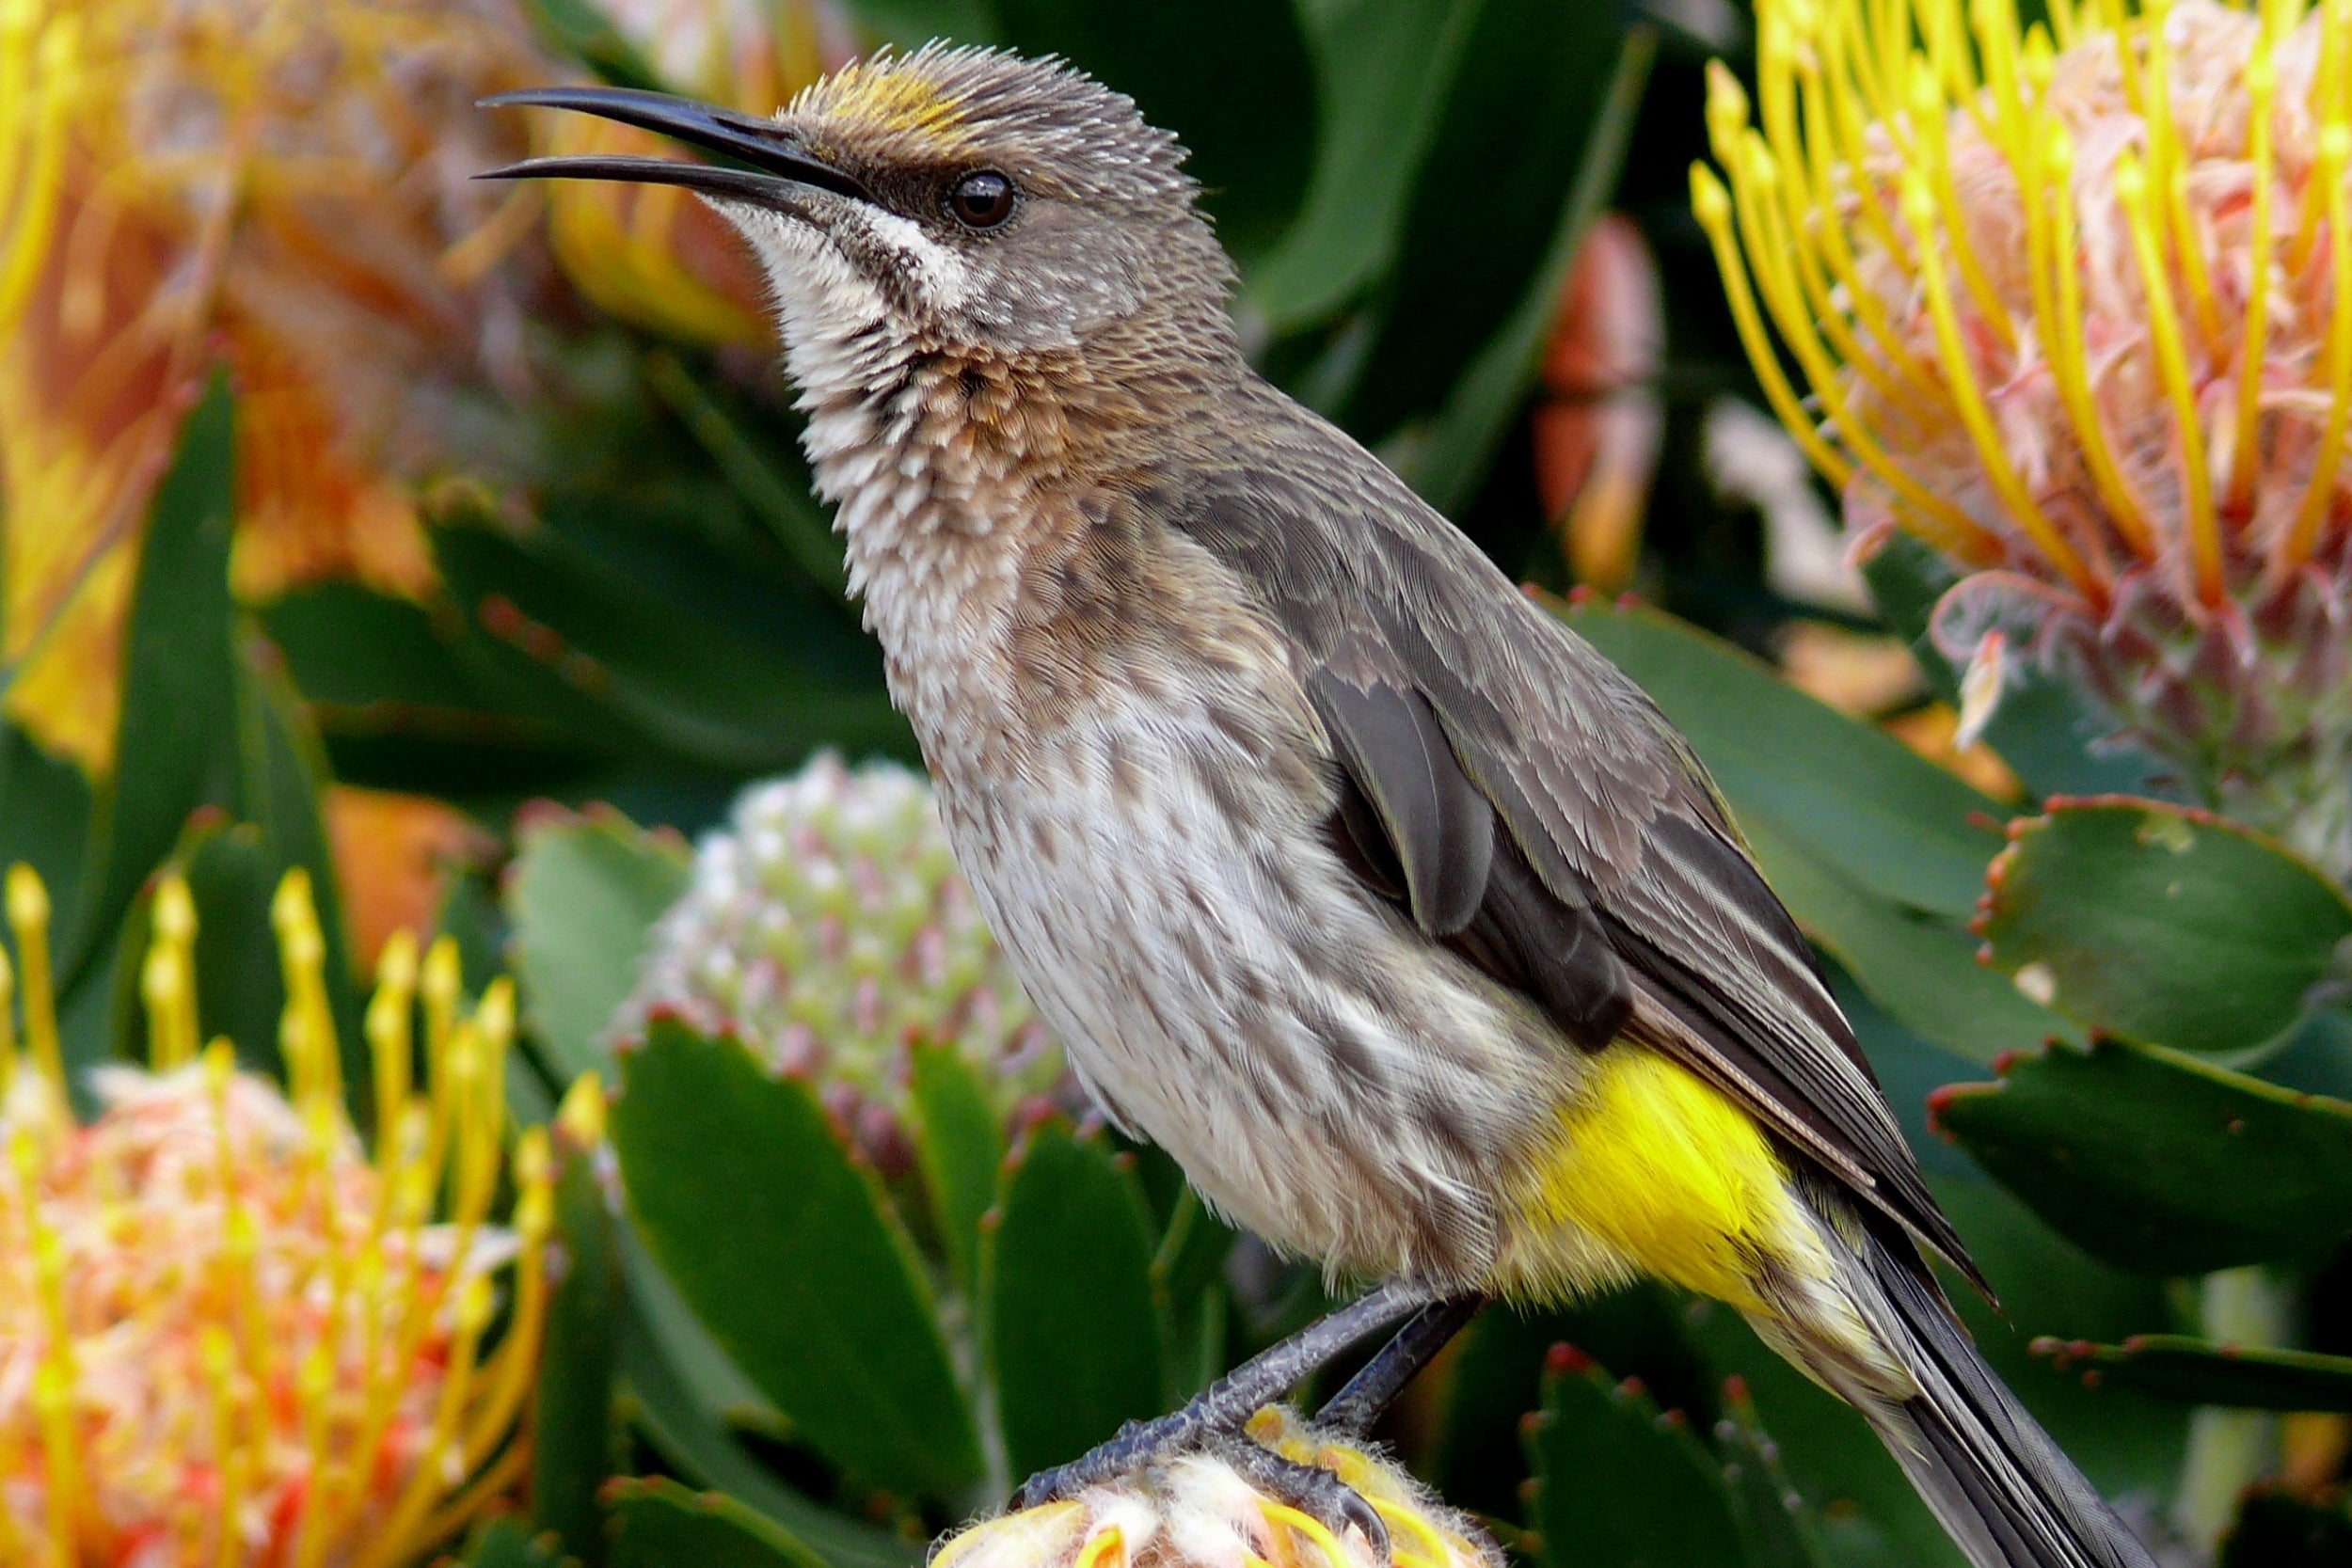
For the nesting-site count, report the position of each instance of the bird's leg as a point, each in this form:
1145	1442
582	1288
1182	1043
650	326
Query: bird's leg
1225	1407
1370	1391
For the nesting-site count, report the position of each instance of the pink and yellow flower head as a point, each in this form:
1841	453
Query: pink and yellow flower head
285	186
227	1335
1200	1511
2073	305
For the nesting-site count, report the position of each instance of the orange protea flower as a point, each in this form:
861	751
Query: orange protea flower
1201	1509
654	254
227	1335
282	185
2074	306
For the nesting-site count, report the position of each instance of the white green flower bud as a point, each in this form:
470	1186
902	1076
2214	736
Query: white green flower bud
828	927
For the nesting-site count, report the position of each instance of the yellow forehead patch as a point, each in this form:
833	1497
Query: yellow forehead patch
878	99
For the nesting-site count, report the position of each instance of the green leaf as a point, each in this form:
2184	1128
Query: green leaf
660	1524
1384	67
2163	923
782	504
180	681
1618	1485
2175	1366
678	1423
959	1144
1244	106
506	1542
44	813
1780	1528
1186	1285
1451	457
583	896
1509	163
1072	1333
550	629
789	1255
281	775
1841	792
2158	1161
1920	967
573	1429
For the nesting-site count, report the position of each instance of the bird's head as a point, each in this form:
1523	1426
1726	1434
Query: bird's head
953	199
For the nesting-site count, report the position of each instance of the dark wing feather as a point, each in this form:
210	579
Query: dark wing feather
1541	816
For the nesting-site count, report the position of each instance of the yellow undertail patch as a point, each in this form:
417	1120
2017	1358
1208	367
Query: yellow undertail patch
1654	1171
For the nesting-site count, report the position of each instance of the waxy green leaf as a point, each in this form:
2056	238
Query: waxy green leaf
2158	1161
573	1433
790	1256
1620	1485
583	896
959	1144
2169	926
2198	1371
1066	1272
660	1524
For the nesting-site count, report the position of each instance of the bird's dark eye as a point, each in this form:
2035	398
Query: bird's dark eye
981	200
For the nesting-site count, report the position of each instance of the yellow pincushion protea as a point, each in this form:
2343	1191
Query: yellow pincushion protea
2073	305
1198	1510
226	1334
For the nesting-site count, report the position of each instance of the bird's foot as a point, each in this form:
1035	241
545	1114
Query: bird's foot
1133	1446
1314	1492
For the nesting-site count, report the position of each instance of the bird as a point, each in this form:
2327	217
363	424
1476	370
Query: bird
1347	872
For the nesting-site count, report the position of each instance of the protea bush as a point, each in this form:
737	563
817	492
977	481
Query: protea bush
326	465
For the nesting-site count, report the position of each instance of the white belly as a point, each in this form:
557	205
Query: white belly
1227	988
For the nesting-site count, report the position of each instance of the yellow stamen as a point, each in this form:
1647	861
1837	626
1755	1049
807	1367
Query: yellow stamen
302	956
1312	1527
2164	326
1712	206
28	919
1103	1544
2335	166
7	1025
581	1118
391	1031
398	1538
1926	114
508	1375
2330	99
168	980
53	1411
2245	455
2069	356
2167	172
1968	401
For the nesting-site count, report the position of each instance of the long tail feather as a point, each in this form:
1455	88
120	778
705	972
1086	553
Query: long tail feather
2001	1487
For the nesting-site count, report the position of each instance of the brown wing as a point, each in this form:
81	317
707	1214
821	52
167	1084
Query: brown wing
1532	809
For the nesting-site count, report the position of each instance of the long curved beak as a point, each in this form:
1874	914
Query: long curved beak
777	164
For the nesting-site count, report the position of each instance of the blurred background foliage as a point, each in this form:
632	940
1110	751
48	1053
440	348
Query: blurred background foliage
496	499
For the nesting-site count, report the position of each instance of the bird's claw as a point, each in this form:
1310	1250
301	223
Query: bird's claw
1309	1488
1314	1492
1134	1445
